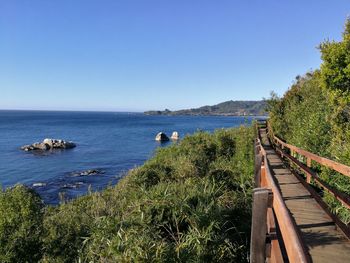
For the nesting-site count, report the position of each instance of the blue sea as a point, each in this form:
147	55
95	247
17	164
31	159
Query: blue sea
110	142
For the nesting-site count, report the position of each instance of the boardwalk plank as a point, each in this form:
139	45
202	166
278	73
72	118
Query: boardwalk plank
325	243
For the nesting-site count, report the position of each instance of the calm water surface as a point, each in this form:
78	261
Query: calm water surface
110	142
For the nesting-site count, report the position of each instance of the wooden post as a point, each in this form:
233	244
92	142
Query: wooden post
263	181
258	162
308	178
261	200
282	149
308	163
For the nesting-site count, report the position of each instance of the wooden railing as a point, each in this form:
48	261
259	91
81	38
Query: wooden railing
275	237
269	215
294	154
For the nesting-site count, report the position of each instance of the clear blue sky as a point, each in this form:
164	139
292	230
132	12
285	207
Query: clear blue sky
133	55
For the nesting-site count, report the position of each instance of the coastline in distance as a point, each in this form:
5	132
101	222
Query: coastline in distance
227	108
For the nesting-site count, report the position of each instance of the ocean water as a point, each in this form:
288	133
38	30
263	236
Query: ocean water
110	142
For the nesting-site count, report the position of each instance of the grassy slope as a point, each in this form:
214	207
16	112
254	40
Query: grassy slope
190	203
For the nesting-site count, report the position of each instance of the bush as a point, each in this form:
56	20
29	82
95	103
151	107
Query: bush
21	216
65	227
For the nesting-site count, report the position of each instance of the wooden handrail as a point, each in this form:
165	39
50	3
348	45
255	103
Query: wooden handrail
340	196
341	168
306	169
291	239
289	234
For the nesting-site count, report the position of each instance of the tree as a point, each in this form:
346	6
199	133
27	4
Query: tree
335	77
335	69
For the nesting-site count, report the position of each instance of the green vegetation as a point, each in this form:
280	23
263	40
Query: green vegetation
314	114
190	203
21	220
230	108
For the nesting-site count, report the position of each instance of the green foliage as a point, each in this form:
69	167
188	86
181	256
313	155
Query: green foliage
190	203
21	215
335	76
65	226
335	69
301	116
314	114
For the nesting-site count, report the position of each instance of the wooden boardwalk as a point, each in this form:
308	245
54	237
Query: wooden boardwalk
324	242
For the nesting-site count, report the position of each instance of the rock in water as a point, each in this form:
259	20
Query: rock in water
162	137
175	135
49	144
39	184
88	173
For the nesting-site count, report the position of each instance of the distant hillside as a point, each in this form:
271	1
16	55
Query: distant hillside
227	108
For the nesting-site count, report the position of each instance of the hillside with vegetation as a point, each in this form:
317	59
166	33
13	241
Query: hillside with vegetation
227	108
190	203
314	114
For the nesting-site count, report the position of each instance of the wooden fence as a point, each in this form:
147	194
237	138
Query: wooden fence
294	155
269	207
275	237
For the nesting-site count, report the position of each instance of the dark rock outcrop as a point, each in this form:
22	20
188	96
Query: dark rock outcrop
162	137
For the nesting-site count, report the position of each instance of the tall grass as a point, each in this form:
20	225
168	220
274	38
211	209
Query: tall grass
190	203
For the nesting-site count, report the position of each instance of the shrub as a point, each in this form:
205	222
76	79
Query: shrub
65	227
21	215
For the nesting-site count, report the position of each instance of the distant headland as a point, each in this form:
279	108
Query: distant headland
227	108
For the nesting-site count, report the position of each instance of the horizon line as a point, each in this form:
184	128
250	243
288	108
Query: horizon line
67	110
123	111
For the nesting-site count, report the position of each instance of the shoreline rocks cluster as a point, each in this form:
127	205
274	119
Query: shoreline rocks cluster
49	144
162	137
